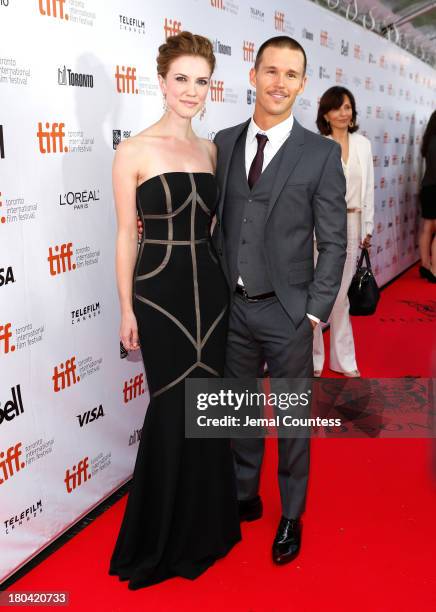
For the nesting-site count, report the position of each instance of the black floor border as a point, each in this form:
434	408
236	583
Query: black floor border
103	506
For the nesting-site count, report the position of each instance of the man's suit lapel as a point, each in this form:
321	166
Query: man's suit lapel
293	149
226	153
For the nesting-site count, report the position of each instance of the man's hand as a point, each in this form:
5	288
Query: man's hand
366	242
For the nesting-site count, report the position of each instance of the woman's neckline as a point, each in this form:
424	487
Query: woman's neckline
171	172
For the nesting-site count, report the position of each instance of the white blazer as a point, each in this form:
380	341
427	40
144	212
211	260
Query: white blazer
362	146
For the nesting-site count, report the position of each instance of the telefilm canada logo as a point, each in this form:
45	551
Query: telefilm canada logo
132	25
67	77
22	518
257	14
85	313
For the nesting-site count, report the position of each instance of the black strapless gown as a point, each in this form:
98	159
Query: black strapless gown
181	512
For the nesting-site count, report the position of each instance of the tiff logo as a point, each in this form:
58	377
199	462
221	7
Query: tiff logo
10	464
50	8
77	475
51	140
134	388
248	51
5	337
279	21
219	4
126	79
2	144
65	375
217	91
172	27
61	261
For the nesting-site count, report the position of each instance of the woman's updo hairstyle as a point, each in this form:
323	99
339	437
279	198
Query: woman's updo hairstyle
181	44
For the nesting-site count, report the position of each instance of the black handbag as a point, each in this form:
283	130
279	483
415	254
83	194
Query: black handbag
363	293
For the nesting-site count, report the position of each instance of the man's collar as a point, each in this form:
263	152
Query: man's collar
275	134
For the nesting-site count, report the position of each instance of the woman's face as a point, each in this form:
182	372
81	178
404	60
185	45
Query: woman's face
186	85
341	117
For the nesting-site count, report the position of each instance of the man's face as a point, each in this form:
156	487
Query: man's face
278	80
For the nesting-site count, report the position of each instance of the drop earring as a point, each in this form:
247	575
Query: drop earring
164	102
203	112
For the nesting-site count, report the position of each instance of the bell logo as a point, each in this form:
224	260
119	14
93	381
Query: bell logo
126	79
134	388
53	8
65	375
172	27
51	140
279	21
5	336
219	4
248	51
13	407
10	464
217	91
60	261
77	475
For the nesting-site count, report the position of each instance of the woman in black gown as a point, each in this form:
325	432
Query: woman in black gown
181	512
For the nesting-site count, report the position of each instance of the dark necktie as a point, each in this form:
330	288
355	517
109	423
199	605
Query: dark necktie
257	163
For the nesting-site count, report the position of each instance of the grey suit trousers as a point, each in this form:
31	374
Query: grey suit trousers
262	332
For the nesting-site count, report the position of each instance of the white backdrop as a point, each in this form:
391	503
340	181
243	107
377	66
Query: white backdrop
77	76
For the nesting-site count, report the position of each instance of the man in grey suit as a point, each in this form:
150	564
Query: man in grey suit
278	183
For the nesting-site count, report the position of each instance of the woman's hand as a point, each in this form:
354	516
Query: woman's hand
140	228
366	242
129	332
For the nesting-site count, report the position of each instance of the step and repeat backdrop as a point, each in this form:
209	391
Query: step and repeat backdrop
76	78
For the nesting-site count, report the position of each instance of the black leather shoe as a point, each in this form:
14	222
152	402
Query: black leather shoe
287	542
250	509
423	272
428	274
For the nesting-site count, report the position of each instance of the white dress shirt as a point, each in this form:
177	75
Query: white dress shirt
276	137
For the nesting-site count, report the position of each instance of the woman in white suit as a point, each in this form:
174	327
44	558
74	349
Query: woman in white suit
337	119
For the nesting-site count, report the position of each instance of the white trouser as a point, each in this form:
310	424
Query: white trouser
342	353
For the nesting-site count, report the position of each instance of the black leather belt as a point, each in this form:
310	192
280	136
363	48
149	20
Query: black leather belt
253	298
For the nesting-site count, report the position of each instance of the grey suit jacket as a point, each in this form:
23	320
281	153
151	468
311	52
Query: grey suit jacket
308	193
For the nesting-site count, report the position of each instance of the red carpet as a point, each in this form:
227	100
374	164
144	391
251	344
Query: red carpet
369	529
